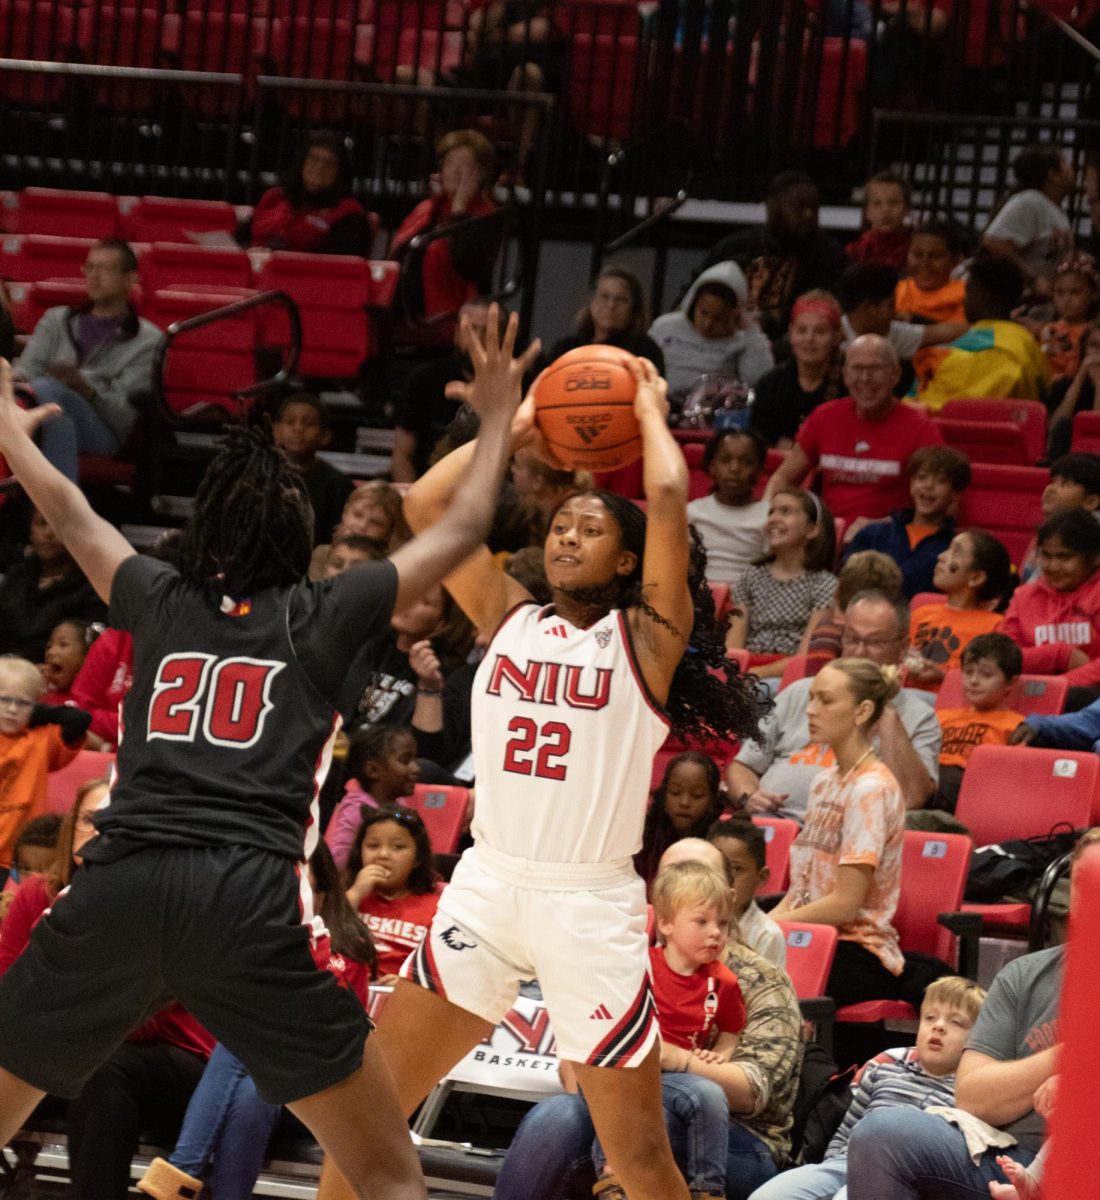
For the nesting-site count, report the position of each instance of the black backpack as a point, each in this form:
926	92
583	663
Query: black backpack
824	1093
1014	868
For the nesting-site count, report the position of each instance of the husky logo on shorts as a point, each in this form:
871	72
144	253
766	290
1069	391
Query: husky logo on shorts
452	937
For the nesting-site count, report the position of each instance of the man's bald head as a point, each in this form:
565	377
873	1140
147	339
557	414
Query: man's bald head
694	850
871	372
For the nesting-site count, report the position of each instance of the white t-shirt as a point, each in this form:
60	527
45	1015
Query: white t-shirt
904	336
732	536
1038	228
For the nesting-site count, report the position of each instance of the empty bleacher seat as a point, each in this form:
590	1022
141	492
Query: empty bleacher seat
986	441
1086	433
34	31
168	264
71	214
443	811
61	785
30	300
1030	415
167	219
28	258
779	834
1006	501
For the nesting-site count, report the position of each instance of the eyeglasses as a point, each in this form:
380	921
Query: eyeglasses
90	268
16	702
868	643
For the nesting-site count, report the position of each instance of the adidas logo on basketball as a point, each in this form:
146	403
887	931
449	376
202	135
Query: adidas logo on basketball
602	1013
589	426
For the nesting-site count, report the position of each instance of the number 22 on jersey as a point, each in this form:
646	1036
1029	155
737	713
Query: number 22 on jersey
229	697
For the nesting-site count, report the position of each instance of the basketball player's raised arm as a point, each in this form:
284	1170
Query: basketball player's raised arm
97	546
452	507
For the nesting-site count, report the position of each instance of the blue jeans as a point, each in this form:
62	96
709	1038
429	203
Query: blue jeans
909	1155
549	1157
228	1122
814	1181
703	1112
78	428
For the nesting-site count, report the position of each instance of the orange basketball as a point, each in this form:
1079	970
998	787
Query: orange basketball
584	405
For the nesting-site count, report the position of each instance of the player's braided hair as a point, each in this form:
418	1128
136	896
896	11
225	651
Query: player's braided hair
709	697
252	526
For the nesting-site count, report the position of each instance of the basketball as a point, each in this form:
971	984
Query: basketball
584	406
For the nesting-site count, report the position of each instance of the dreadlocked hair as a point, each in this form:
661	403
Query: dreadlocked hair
710	699
252	526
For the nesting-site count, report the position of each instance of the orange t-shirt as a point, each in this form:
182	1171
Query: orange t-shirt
941	633
965	728
25	760
940	304
1061	343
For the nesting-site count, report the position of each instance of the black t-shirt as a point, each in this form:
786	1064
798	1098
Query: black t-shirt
229	723
781	405
28	613
424	409
640	344
329	490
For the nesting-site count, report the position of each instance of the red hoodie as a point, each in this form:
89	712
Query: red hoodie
104	679
1048	625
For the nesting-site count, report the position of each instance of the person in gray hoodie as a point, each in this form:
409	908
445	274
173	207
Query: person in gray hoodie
90	360
712	332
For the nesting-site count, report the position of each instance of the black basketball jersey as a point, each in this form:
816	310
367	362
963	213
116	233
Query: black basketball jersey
228	728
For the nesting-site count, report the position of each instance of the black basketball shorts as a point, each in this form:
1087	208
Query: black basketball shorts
217	928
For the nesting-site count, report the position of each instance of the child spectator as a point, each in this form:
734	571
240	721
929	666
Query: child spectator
101	685
1074	483
743	847
382	768
1075	293
36	846
34	740
865	571
711	332
915	537
791	589
391	883
972	572
347	550
921	1076
65	654
301	428
373	511
929	294
1079	394
700	1012
686	803
786	395
998	356
991	665
886	201
223	1140
729	520
1055	619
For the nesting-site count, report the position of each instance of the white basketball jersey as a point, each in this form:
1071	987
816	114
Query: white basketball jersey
564	735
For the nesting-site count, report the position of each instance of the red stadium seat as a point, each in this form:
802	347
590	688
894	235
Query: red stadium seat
923	598
61	785
721	594
840	83
60	213
236	42
169	264
29	258
794	670
600	89
699	482
332	293
443	810
33	31
30	300
1086	433
393	18
626	481
1006	501
1041	694
1030	415
438	50
741	657
933	878
986	441
166	219
117	36
779	835
314	48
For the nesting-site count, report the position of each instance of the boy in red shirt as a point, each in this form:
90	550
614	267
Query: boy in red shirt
700	1012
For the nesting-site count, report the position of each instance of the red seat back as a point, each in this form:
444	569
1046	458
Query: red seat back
37	32
57	212
721	594
933	877
1030	415
61	785
41	256
128	36
794	670
1006	501
443	811
810	951
779	835
30	300
1040	694
986	441
1086	433
600	95
169	264
166	219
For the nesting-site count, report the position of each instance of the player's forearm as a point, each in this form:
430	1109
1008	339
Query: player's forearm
664	468
428	498
468	516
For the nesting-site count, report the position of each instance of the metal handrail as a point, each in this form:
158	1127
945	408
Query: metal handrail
226	311
100	70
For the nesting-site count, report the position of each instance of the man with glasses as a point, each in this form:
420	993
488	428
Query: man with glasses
90	360
774	774
861	444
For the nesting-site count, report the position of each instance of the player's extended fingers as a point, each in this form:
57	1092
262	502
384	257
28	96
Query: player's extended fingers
475	347
458	389
527	359
508	342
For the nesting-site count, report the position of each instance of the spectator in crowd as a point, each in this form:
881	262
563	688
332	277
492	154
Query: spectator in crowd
886	238
915	537
1074	483
861	444
712	333
1055	619
93	360
65	653
541	489
424	410
910	1076
789	392
372	511
36	847
846	863
972	573
686	804
991	664
301	428
1076	291
1068	731
615	315
41	589
347	550
442	276
743	847
548	1157
392	884
313	210
381	769
1007	1073
1031	228
998	356
929	294
864	571
772	775
1078	394
729	520
101	685
783	596
785	257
